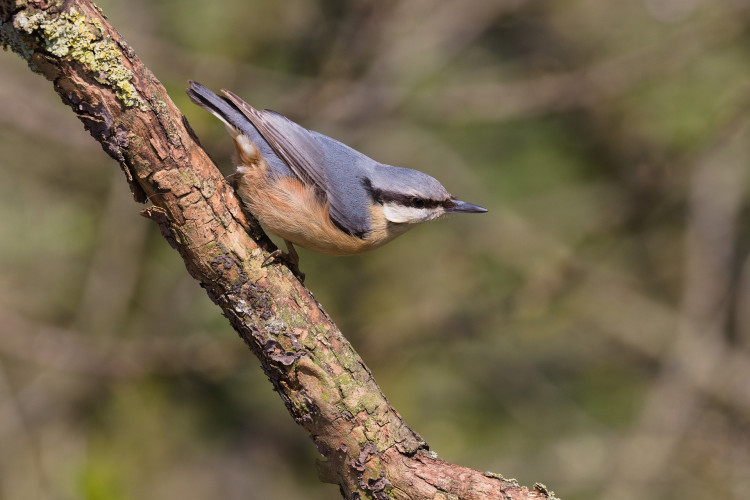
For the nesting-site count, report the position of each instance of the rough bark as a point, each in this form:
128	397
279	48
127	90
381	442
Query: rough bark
366	447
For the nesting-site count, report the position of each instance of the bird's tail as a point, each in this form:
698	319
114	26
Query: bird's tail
221	108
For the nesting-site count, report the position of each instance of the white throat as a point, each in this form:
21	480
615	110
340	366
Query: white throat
401	214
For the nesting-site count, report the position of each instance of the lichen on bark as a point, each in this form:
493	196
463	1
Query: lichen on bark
71	34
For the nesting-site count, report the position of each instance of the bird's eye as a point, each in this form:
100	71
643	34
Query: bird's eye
417	202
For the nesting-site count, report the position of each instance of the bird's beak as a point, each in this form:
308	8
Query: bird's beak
461	207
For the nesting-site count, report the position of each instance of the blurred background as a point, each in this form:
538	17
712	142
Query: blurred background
591	332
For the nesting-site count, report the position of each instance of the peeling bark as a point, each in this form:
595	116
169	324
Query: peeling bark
366	447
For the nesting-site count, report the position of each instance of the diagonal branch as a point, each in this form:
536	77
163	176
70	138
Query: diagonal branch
366	447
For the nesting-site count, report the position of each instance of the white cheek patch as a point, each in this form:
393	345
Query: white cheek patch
401	214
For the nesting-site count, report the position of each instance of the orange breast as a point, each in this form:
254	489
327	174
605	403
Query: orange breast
291	210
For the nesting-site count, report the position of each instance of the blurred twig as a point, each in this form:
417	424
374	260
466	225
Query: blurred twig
100	357
117	260
471	97
35	116
413	45
742	310
698	352
13	424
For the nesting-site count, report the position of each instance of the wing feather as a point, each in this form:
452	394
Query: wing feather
305	156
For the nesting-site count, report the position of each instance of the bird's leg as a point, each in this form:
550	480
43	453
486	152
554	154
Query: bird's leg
292	253
291	259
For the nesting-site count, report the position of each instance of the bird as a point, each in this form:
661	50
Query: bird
316	192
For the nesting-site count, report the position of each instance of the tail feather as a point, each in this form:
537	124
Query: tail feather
237	124
221	108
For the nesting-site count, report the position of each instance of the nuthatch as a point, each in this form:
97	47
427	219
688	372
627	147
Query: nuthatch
316	192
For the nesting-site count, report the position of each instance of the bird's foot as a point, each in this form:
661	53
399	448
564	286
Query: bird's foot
289	258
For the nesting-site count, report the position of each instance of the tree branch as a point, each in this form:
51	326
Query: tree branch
367	448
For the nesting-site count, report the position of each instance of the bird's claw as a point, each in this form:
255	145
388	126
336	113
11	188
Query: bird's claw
290	259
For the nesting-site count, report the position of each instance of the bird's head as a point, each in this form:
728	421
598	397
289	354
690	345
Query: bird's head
412	197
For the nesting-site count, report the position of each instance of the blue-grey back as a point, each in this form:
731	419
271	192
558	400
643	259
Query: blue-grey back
348	172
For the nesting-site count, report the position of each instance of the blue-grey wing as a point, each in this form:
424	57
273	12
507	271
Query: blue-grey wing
348	171
317	160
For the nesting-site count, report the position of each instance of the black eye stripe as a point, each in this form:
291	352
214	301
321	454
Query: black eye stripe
382	196
409	201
